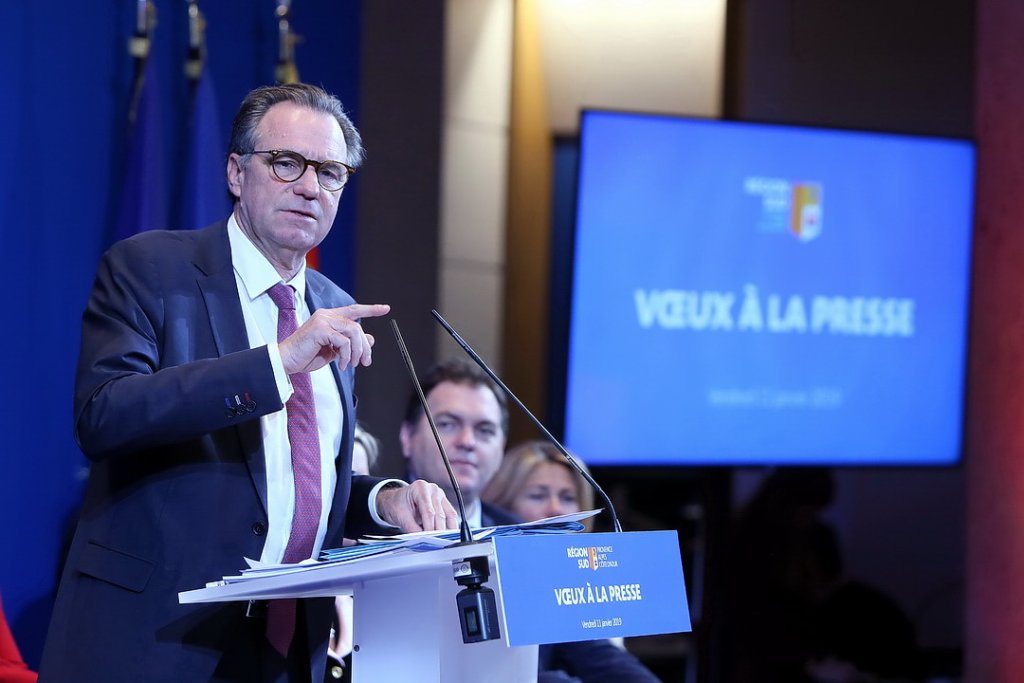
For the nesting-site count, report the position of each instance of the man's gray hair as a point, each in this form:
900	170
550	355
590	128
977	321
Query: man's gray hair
256	104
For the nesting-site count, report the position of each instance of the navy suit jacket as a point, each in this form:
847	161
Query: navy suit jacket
167	404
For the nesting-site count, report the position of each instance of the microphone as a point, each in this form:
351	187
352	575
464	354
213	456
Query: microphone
544	430
465	535
478	610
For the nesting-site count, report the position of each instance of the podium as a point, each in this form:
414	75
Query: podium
549	588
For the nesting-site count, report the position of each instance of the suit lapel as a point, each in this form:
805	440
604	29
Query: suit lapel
216	281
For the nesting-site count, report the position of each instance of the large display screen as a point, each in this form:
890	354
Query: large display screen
765	294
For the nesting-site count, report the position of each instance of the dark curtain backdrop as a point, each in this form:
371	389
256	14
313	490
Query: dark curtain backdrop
63	125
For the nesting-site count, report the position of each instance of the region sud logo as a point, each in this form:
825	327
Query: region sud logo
788	207
592	557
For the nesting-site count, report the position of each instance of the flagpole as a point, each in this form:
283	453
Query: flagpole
196	42
286	71
143	202
203	198
139	48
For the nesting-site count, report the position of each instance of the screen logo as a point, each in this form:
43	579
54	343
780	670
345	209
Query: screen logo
790	207
805	220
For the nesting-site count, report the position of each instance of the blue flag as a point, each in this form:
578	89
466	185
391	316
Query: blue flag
204	188
143	203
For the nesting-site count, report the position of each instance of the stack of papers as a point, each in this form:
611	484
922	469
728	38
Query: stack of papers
431	540
414	542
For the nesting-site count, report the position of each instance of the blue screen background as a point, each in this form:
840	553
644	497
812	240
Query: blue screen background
666	203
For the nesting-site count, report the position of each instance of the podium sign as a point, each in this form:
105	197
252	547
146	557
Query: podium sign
574	587
548	588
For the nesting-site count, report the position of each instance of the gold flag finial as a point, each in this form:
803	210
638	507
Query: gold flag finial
286	71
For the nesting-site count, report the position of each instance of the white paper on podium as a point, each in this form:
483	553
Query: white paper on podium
421	541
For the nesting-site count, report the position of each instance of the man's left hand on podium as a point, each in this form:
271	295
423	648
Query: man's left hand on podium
420	506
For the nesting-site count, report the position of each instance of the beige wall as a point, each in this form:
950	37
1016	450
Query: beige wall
660	55
656	55
474	163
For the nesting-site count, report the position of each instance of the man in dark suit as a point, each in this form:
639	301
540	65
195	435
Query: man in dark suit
214	397
471	415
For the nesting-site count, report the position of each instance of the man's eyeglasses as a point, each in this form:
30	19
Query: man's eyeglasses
289	167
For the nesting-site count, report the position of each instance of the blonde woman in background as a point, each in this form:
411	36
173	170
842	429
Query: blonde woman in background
536	481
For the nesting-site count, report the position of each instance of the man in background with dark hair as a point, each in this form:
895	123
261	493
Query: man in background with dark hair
471	415
214	398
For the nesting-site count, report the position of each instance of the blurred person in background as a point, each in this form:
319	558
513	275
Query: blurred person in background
365	450
536	481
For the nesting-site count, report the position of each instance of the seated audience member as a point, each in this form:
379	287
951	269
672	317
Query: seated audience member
861	635
784	559
536	481
795	616
365	450
12	668
471	415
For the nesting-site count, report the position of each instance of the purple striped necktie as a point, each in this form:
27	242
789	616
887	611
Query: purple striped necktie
305	444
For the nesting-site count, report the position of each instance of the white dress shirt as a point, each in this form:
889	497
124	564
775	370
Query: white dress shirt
255	275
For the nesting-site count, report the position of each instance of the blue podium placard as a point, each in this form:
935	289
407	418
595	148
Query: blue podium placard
562	588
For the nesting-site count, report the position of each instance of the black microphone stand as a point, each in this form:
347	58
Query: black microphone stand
465	535
478	610
544	430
